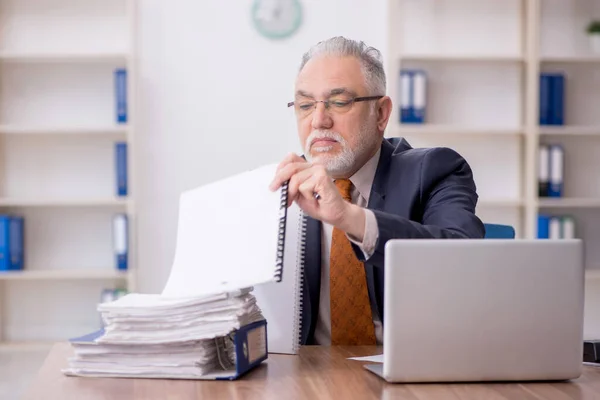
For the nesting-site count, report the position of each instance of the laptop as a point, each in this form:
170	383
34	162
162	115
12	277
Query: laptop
482	310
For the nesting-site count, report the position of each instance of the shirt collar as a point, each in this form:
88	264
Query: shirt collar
363	178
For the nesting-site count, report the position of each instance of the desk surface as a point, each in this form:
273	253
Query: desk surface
317	372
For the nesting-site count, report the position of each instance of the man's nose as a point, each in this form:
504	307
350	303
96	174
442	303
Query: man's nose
321	118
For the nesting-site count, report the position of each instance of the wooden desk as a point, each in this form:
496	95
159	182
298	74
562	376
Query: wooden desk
316	373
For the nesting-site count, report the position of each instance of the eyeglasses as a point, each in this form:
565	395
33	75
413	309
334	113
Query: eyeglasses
339	105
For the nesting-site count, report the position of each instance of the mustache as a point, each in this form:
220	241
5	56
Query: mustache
322	134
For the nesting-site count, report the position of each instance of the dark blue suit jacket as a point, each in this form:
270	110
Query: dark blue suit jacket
416	193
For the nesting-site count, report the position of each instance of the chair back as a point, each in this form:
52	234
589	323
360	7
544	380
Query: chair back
499	231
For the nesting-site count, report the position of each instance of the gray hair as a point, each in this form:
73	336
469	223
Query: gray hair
369	57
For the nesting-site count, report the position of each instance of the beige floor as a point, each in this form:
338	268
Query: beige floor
17	369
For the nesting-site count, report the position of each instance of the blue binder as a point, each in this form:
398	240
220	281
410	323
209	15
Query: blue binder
121	168
405	96
557	99
16	239
250	344
120	77
545	87
413	98
120	240
543	226
5	243
552	99
557	162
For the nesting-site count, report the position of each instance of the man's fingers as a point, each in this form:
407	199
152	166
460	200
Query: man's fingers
307	189
290	158
296	181
287	172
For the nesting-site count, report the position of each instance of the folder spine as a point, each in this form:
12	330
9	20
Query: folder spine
121	168
544	114
4	243
413	96
405	96
543	226
120	77
16	243
543	170
419	96
555	187
557	99
120	242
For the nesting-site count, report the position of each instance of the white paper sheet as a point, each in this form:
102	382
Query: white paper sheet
376	358
226	236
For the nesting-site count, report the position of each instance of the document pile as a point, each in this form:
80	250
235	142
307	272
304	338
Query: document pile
152	336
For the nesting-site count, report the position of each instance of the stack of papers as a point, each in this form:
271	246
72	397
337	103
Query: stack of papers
155	336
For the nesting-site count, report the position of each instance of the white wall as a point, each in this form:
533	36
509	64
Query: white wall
213	97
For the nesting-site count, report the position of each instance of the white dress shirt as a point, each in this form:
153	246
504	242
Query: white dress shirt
362	181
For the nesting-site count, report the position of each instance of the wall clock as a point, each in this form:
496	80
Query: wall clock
277	19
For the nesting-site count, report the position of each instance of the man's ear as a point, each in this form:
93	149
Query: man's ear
384	110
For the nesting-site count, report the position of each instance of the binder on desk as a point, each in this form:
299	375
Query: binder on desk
224	243
556	182
234	293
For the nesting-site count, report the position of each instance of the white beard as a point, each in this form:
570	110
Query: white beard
344	161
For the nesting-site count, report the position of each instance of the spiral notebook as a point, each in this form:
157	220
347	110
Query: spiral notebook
235	233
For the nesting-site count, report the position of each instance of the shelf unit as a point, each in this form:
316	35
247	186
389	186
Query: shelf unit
483	60
58	129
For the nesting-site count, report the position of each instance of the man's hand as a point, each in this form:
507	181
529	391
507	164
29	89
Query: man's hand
308	179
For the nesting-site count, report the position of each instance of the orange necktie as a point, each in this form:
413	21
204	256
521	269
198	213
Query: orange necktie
351	319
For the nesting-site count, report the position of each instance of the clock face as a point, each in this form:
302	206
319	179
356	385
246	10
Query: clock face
276	19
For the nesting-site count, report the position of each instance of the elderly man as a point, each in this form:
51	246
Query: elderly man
361	190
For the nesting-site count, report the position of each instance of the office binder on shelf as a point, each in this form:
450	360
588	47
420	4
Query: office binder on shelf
552	99
120	78
413	99
567	227
556	184
16	243
557	99
543	170
555	228
121	168
405	96
120	241
545	87
5	243
543	226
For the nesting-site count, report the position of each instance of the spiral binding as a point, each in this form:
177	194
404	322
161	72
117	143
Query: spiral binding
298	304
281	234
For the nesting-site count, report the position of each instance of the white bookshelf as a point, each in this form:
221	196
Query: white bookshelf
483	60
58	130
